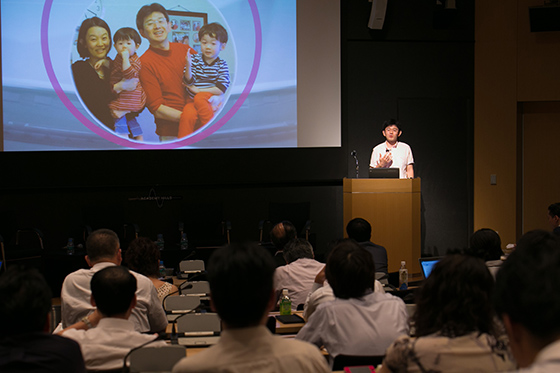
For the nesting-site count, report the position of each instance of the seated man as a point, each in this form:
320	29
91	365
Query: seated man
360	230
527	299
322	292
25	342
298	275
103	250
106	336
360	321
280	235
246	345
554	217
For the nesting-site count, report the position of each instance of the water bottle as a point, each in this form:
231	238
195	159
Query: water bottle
70	247
184	242
285	303
161	269
159	242
403	276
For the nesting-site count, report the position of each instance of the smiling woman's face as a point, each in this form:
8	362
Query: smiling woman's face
98	42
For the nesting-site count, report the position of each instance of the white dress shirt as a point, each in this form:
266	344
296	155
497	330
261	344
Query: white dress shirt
105	346
324	293
357	326
75	302
547	360
255	349
298	277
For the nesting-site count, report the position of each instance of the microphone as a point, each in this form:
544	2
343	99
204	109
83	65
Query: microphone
179	288
160	337
387	150
174	338
354	154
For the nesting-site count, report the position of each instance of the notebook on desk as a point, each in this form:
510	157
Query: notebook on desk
427	264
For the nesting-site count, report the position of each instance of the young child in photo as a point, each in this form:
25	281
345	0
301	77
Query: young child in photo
128	104
206	75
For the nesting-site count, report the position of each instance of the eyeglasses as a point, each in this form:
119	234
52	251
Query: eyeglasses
389	129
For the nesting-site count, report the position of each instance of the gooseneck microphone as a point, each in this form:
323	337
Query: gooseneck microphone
354	154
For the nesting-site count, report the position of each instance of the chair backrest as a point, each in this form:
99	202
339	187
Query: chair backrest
156	359
191	266
342	361
56	316
199	288
199	322
181	303
29	239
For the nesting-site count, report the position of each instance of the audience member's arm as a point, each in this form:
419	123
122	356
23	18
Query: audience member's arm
309	307
156	314
93	320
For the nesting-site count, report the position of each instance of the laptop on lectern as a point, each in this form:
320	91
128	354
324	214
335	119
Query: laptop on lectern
383	173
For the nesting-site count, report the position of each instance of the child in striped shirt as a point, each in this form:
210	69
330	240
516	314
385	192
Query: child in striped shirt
206	75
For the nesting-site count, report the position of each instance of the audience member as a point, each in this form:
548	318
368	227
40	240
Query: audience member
359	321
299	273
486	244
25	342
103	250
554	217
528	301
360	230
322	292
280	235
246	345
455	324
109	335
143	256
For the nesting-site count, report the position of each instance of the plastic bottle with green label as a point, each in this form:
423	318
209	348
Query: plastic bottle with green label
285	303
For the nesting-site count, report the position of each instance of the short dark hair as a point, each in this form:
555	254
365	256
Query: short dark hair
214	30
554	209
280	237
359	229
146	10
113	289
527	285
127	33
298	248
25	301
82	33
392	122
485	244
142	256
237	268
102	244
350	270
456	298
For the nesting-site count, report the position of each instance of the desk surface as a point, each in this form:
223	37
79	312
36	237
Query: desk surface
288	328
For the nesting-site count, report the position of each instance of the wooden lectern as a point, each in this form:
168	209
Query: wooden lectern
392	207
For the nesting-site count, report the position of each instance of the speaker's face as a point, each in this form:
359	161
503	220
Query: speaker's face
391	133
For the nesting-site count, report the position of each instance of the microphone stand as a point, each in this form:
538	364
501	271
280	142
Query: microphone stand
355	155
125	368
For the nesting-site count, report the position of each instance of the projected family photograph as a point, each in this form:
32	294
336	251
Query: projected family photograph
161	79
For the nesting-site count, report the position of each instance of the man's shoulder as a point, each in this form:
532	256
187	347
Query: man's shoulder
404	145
76	275
142	281
379	147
